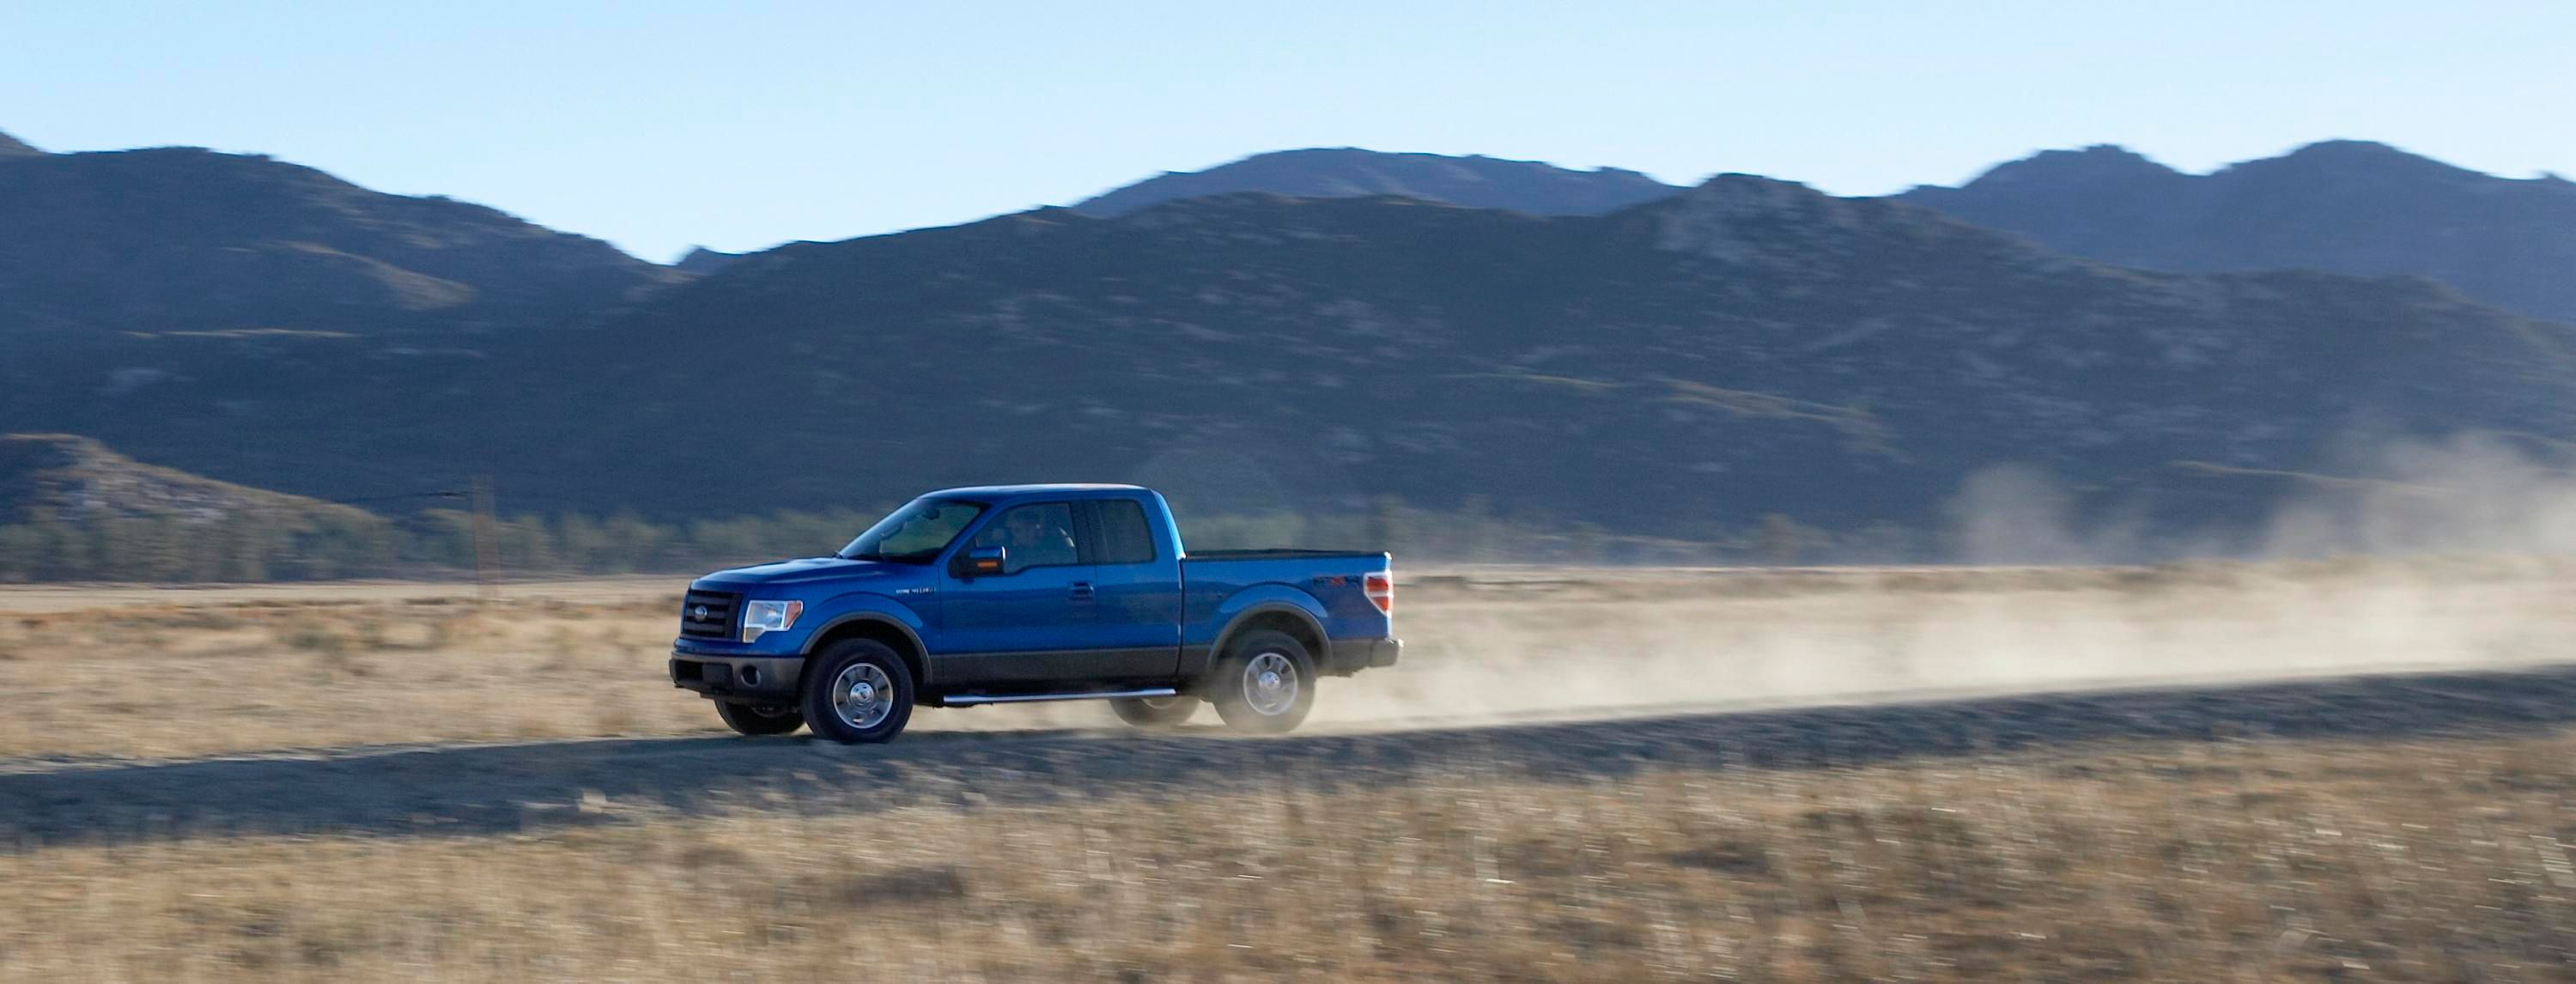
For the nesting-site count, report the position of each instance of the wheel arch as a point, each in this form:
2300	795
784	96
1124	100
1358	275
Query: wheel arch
1284	616
881	627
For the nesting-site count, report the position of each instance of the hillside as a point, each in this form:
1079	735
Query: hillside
2340	206
64	478
1681	368
701	260
1528	187
13	147
1749	347
183	239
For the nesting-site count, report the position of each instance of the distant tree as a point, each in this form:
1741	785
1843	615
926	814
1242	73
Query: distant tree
74	555
1388	523
22	552
1586	544
1480	536
526	545
1777	539
445	537
632	543
580	542
1881	542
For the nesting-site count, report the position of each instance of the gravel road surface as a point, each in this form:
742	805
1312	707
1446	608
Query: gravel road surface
488	789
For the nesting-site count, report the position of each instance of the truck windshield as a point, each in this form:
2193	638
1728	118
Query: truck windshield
916	533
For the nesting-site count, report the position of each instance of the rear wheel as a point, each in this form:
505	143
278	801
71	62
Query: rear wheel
760	720
1155	712
1265	685
858	691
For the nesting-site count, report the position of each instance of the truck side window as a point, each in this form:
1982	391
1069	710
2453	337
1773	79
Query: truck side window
1036	535
1125	537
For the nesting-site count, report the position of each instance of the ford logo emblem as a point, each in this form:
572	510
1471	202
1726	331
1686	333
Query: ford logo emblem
699	613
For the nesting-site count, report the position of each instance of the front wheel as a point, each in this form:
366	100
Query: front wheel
858	691
1155	712
751	720
1265	685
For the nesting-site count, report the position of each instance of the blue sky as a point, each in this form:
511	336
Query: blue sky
657	125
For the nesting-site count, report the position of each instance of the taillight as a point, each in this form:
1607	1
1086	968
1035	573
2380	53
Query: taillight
1380	588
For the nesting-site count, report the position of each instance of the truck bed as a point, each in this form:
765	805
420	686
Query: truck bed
1277	554
1328	584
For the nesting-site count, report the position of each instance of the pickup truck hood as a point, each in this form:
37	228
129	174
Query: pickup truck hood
809	570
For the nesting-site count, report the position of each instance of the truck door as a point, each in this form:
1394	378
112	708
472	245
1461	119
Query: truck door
1137	592
1029	622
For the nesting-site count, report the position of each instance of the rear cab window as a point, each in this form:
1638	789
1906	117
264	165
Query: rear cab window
1121	533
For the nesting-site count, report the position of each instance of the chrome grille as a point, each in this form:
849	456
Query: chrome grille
708	614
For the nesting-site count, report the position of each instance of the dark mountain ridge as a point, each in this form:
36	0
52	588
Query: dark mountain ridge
1684	366
1529	187
187	239
1748	347
701	260
2342	206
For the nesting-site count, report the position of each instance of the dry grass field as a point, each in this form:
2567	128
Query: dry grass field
126	673
1787	775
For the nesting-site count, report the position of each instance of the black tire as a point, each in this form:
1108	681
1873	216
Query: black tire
1238	688
752	720
836	671
1155	712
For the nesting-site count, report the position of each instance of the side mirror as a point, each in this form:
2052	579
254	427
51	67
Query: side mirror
981	562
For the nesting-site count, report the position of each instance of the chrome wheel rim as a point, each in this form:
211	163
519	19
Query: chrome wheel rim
862	696
1270	684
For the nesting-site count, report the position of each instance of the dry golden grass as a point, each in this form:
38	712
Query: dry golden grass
327	666
2399	858
2421	860
171	681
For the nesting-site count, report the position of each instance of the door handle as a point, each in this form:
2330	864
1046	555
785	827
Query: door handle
1082	589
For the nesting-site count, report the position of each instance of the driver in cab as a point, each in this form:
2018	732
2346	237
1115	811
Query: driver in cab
1035	536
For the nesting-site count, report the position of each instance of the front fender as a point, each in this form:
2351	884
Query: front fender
865	607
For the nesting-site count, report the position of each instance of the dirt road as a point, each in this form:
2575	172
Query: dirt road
511	787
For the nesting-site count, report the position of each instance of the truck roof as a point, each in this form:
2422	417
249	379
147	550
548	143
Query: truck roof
996	492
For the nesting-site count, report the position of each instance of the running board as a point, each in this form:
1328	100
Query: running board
966	700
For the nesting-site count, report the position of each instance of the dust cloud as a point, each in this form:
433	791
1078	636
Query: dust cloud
1499	644
1637	641
2448	554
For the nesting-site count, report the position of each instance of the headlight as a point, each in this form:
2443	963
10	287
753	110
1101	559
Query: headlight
768	616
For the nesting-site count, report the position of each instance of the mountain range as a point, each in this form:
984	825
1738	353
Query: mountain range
186	239
2342	206
1528	187
1683	365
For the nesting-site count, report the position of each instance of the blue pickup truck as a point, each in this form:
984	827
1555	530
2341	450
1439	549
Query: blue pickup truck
1004	594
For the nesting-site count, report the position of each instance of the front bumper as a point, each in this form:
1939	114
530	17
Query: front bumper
764	679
